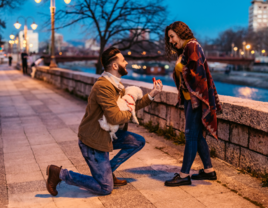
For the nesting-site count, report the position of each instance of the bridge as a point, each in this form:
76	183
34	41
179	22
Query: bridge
227	60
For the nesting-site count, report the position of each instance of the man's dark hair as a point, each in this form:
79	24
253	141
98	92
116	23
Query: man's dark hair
108	56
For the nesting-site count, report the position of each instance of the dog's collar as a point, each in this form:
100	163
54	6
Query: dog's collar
132	97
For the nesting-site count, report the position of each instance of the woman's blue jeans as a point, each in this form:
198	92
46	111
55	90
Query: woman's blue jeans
195	142
101	181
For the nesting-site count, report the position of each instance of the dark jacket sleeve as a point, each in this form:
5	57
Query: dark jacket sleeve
106	99
143	102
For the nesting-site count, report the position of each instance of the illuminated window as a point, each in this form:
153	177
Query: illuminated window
264	20
259	16
260	11
259	20
264	16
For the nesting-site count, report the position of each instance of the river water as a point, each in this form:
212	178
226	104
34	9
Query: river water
240	91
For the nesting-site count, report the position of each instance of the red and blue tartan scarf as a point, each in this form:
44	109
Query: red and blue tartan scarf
199	83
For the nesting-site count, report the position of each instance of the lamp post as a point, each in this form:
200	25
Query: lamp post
52	11
33	26
248	47
235	49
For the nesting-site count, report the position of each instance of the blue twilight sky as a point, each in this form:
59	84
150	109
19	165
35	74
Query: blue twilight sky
207	18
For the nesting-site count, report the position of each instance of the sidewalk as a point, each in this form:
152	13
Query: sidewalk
38	126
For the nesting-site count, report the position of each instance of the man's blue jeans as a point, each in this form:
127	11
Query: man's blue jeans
101	168
195	142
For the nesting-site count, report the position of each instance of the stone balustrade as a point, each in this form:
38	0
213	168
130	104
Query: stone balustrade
242	128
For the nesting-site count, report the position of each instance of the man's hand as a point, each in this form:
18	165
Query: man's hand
158	86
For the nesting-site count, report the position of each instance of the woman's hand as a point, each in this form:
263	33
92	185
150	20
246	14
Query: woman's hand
158	86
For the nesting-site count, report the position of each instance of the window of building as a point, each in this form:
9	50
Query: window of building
264	11
259	7
259	20
259	16
264	16
264	20
259	11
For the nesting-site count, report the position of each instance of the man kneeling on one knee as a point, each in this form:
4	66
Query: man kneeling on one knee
95	143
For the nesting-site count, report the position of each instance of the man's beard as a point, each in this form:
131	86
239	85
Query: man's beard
121	70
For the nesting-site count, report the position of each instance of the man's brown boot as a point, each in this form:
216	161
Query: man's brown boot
53	173
118	182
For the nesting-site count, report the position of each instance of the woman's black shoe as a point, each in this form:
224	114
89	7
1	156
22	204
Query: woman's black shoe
178	181
204	176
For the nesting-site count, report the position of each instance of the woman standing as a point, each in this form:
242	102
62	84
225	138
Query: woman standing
196	90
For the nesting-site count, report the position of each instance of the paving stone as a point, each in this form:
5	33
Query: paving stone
64	134
25	187
225	200
126	196
24	177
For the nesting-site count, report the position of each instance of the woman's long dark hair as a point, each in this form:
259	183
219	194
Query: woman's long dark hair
183	31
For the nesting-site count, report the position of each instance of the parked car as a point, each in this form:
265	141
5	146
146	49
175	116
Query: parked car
3	58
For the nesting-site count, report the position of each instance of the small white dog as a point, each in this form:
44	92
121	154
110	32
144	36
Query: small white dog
132	94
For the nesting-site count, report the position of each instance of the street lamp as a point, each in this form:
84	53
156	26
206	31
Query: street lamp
52	11
248	47
12	36
33	26
263	51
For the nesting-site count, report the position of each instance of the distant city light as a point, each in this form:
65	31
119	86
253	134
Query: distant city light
60	53
242	53
11	42
263	51
252	52
12	37
135	66
235	48
166	66
248	47
159	52
31	45
129	53
144	53
67	1
144	67
37	1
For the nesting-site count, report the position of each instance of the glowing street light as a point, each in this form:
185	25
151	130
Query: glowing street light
242	53
17	25
33	26
144	53
248	47
263	51
235	48
37	1
252	52
60	53
67	1
129	53
12	37
31	45
11	42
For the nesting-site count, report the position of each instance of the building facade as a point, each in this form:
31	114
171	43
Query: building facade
258	15
33	42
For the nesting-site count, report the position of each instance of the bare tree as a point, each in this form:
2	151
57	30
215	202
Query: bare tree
8	5
227	37
121	23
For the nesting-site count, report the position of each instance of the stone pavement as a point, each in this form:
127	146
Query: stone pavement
39	127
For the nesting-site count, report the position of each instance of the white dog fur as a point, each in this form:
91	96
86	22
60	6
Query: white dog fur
131	93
